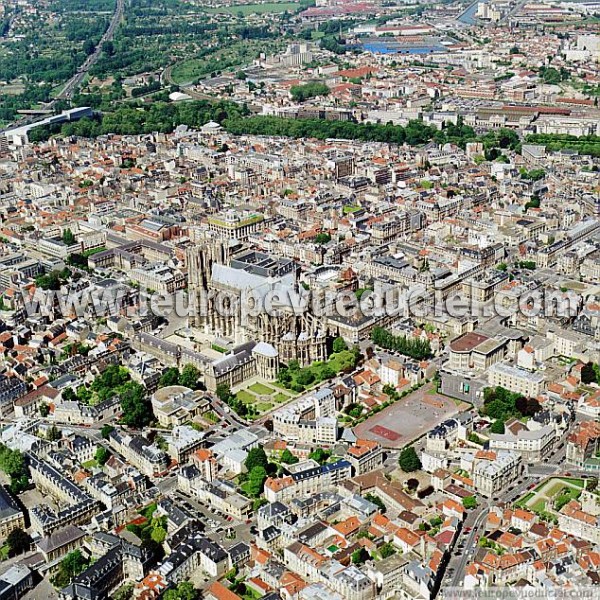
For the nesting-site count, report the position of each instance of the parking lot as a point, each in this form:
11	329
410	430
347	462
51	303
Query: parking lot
220	527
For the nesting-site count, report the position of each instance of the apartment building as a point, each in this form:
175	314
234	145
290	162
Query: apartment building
494	471
138	451
159	278
306	482
350	583
175	405
205	462
223	496
475	352
122	562
583	443
81	414
115	491
532	446
308	420
516	380
16	582
573	521
365	456
61	542
236	225
183	442
196	552
79	505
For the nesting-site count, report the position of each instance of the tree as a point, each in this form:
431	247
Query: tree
184	591
68	238
469	502
44	409
190	377
256	458
339	345
13	464
359	556
169	377
108	48
497	426
416	348
288	458
223	393
258	502
533	203
588	373
102	455
256	480
51	281
320	455
528	407
408	460
300	93
137	411
305	377
71	565
53	434
412	484
159	534
106	430
322	238
387	549
125	592
18	541
561	501
377	501
68	395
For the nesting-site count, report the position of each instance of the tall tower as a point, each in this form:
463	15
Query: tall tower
200	260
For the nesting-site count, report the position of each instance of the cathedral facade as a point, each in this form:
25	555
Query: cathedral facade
228	289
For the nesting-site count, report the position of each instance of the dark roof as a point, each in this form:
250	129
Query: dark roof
60	537
8	505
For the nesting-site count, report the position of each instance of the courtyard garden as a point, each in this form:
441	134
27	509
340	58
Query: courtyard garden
551	496
254	398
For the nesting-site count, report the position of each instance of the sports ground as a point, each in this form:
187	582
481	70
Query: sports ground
407	419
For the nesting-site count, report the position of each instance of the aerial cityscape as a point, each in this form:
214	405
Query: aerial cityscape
299	299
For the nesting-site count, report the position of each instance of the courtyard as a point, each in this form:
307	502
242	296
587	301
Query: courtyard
264	396
543	497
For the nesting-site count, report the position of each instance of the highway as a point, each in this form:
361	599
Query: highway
71	86
75	81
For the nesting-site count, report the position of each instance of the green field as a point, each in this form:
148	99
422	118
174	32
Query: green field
259	388
245	397
576	482
254	9
230	56
262	397
545	495
539	505
525	499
